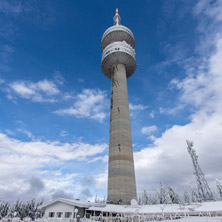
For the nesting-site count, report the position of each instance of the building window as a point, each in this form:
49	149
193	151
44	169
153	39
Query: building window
68	214
59	214
51	214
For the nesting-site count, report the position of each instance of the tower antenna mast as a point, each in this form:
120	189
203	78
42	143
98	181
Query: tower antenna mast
204	191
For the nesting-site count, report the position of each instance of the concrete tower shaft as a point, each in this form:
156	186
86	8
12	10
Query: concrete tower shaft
118	63
121	174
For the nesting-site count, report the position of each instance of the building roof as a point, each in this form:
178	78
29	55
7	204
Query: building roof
161	208
77	203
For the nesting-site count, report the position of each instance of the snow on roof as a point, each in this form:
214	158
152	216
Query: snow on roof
161	208
77	203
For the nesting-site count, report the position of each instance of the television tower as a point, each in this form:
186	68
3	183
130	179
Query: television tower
118	64
203	188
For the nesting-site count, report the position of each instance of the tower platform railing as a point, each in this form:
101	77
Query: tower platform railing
118	47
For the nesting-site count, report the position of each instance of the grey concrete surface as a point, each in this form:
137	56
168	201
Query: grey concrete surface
121	175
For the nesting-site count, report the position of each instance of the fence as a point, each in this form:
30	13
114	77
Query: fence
210	217
157	217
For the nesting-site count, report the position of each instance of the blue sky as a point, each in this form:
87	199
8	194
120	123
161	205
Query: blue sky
54	99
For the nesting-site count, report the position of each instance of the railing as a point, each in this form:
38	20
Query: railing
157	217
118	47
166	217
40	220
117	28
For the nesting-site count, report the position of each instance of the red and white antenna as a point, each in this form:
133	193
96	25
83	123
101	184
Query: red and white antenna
117	18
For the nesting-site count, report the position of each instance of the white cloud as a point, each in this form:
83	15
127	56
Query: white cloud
102	158
9	132
149	129
167	159
174	110
55	151
67	96
64	133
152	114
21	89
27	133
58	78
204	86
9	8
101	179
137	107
162	110
46	86
41	91
12	98
91	103
20	160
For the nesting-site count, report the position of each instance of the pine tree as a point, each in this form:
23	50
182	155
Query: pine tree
195	196
174	197
144	198
219	187
186	197
4	208
161	194
31	209
96	199
22	210
168	199
155	198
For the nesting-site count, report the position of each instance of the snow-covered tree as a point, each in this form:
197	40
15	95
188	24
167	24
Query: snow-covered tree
29	209
33	209
100	200
154	198
13	210
219	187
186	197
18	209
195	196
161	194
168	199
4	208
144	198
173	196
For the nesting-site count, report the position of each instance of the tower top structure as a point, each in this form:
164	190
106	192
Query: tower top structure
118	46
117	18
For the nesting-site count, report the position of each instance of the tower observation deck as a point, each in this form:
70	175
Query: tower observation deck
118	64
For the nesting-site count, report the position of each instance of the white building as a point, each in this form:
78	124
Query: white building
65	208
